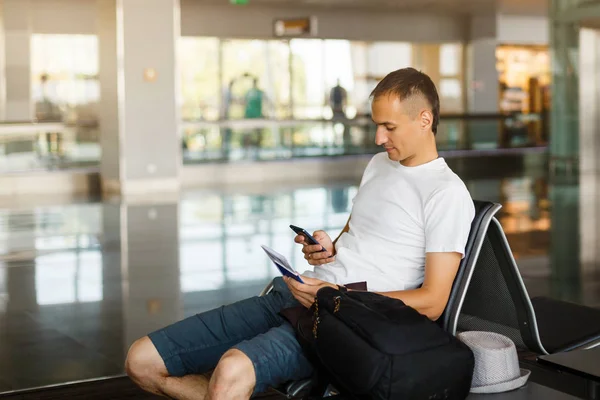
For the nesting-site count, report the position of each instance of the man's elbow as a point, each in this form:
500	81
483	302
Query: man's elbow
433	313
436	309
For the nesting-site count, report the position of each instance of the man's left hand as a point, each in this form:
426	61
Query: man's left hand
305	292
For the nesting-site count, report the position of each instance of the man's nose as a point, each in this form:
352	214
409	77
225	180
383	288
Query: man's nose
380	137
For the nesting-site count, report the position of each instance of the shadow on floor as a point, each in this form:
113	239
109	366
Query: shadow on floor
112	388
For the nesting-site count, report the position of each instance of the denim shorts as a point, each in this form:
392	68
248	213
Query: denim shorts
253	326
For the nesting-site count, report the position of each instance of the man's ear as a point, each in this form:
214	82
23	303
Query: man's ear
426	120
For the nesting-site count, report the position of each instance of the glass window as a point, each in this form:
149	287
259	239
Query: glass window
277	80
338	69
218	75
308	86
295	79
451	95
199	66
450	59
338	63
385	57
260	61
450	88
65	82
243	61
451	77
358	99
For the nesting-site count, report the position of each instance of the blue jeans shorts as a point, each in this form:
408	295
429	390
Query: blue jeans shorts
253	326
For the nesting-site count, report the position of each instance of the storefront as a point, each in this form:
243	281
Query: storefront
524	78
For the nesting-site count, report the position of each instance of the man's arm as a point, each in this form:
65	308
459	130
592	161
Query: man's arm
431	298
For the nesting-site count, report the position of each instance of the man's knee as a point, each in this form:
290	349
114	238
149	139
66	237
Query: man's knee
144	365
234	372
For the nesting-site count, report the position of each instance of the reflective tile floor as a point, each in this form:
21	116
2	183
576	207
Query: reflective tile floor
79	282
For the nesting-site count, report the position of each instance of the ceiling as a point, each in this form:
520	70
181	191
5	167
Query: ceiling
471	7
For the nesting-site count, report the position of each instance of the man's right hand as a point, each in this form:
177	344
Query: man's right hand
313	253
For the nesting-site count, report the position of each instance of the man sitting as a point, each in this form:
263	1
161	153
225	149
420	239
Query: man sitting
405	237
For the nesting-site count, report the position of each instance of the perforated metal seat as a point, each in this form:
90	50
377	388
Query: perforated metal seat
497	301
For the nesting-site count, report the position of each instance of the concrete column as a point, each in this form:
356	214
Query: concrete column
15	55
3	288
150	268
20	282
564	133
482	76
111	317
140	269
482	82
589	147
139	114
565	241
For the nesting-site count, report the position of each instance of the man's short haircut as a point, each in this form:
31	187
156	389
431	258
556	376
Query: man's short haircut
409	84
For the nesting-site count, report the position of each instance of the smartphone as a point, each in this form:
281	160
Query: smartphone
309	238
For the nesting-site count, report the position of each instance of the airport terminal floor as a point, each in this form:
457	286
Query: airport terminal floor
81	280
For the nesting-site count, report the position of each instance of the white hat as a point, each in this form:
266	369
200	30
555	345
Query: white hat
496	362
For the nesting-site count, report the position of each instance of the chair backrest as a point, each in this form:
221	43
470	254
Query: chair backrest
496	299
484	212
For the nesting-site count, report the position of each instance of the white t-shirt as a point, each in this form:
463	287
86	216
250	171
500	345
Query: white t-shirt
399	214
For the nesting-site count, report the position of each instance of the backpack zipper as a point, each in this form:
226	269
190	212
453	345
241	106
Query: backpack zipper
336	301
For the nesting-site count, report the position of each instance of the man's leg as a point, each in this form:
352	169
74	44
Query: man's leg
233	379
252	366
269	359
146	368
275	358
171	361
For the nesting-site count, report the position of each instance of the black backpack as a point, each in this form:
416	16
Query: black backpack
374	347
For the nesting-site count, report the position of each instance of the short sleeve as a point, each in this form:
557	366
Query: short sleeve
448	216
369	172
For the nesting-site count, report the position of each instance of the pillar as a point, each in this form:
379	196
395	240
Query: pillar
15	56
112	309
3	288
482	81
20	282
138	113
564	51
589	147
565	242
482	76
150	265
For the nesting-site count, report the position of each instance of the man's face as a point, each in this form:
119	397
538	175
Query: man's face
398	132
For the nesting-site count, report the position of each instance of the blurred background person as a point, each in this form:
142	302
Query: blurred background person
226	100
338	98
254	101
